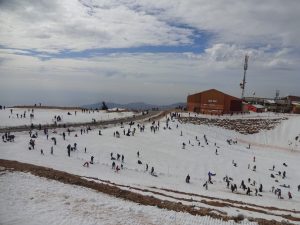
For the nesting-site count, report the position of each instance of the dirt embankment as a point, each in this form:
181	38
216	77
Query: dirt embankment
123	194
243	126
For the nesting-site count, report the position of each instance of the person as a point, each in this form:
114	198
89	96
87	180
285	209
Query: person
290	195
42	152
279	193
85	150
205	185
51	150
253	158
140	162
187	179
92	160
228	182
152	170
117	168
283	174
243	185
54	140
248	191
232	188
147	168
260	188
299	187
122	158
273	189
209	176
138	154
113	165
64	135
256	191
86	164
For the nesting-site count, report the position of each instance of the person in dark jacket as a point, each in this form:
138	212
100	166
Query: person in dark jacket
187	179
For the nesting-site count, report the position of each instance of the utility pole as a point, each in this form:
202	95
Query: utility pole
242	85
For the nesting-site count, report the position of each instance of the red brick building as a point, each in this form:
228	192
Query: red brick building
213	102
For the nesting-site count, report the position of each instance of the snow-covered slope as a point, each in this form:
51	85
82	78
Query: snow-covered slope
46	116
163	151
30	200
284	135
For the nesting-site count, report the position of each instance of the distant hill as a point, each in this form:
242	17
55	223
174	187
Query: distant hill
134	105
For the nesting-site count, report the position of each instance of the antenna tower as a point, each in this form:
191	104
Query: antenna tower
243	84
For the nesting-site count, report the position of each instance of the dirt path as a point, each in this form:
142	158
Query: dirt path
115	191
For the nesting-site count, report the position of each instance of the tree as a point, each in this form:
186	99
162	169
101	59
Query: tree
104	106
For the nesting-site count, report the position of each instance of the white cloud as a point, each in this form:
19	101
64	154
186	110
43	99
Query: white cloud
78	25
266	30
157	78
63	24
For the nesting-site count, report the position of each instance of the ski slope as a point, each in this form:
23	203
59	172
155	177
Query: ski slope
30	200
46	116
163	151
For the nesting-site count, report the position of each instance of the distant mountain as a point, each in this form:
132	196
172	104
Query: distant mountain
133	106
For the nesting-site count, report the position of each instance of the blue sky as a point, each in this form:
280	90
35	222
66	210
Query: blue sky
79	52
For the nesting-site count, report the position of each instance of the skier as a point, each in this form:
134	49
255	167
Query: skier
260	188
138	154
113	165
92	160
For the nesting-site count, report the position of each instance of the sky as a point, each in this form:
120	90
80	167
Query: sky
77	52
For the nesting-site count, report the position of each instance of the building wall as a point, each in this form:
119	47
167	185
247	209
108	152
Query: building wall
213	102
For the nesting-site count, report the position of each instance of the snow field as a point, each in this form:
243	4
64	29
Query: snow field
163	150
46	116
27	199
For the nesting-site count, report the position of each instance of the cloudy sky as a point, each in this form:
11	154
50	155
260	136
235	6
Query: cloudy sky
74	52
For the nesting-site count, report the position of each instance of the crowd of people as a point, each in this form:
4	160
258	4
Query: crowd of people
118	162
